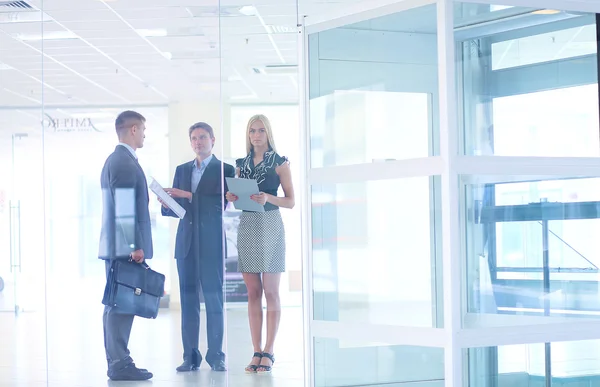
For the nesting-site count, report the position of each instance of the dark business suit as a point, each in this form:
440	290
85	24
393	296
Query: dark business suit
125	228
199	253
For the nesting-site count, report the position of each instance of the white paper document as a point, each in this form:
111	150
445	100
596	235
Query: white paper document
168	200
243	189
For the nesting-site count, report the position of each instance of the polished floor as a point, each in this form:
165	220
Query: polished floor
75	354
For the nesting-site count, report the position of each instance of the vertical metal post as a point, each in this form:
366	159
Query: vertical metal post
453	264
546	279
307	270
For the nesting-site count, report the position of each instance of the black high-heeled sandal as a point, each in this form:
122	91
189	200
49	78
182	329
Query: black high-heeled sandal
264	369
251	368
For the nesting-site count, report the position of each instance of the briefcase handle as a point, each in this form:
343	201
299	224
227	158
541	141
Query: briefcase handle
144	264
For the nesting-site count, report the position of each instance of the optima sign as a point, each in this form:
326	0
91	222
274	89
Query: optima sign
69	124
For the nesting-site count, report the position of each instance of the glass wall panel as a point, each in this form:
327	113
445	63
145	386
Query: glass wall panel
343	363
374	102
363	112
528	81
74	219
376	262
572	364
23	349
532	250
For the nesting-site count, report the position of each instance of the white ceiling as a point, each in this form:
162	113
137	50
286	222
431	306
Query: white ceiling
109	60
211	50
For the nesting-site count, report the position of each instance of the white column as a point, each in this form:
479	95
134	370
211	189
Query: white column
182	115
450	194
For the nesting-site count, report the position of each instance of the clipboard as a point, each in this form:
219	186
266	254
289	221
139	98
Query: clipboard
243	189
168	200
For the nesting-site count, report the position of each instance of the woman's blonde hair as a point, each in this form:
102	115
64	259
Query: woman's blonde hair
267	124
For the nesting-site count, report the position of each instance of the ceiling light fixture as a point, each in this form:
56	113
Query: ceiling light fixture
283	69
51	35
23	17
152	33
248	10
494	8
546	12
272	29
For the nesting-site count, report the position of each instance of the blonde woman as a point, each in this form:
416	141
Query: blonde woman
261	236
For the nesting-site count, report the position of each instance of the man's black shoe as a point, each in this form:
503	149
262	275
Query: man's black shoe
191	364
130	373
218	366
187	366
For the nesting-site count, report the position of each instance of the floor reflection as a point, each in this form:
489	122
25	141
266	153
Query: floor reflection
76	356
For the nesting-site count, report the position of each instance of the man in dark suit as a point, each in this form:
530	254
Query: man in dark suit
126	234
198	186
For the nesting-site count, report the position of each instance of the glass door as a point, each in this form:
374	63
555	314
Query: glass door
27	222
22	259
23	355
8	266
22	225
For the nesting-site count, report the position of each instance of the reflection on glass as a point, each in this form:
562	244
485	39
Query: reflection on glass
355	127
529	82
465	13
355	363
532	248
561	122
544	47
575	363
374	102
125	221
374	259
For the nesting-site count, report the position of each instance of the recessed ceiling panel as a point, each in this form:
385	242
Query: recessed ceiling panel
70	15
77	26
108	33
165	11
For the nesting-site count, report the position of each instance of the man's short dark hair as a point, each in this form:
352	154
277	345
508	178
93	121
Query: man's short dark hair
127	119
202	125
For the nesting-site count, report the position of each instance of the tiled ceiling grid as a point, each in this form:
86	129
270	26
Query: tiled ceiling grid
96	52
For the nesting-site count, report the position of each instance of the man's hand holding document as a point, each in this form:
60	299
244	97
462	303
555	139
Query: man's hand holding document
165	198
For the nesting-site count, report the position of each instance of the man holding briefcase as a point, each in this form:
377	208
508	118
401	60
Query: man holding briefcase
126	235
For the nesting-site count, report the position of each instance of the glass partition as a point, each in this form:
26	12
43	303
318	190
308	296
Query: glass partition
529	81
375	232
23	308
573	363
420	366
515	233
374	261
532	254
73	215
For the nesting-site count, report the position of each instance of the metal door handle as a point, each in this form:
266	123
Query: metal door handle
10	231
19	229
15	233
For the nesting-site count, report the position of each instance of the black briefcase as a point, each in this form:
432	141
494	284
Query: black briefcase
134	288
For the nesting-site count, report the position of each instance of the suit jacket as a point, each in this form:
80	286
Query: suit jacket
126	223
203	222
